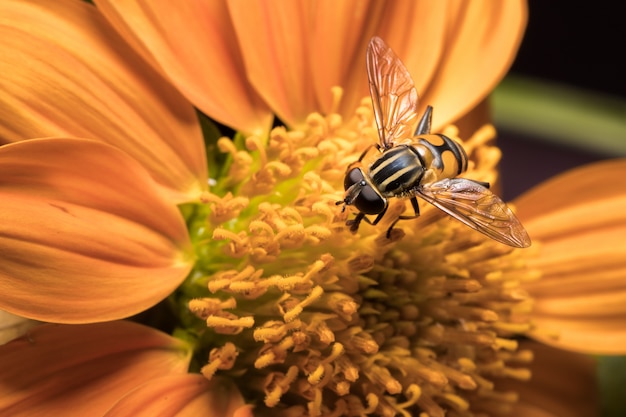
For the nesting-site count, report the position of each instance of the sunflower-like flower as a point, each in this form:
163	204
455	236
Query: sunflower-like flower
111	206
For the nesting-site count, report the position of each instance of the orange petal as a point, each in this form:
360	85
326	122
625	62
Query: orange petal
326	47
339	35
181	396
85	234
274	39
480	44
415	31
194	44
66	72
563	384
578	220
587	184
82	370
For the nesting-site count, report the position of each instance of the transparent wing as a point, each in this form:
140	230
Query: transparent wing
477	207
393	94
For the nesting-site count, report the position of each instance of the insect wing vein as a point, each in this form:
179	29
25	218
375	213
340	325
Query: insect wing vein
478	208
393	94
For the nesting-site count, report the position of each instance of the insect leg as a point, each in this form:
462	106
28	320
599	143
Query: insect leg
354	224
377	146
380	216
416	209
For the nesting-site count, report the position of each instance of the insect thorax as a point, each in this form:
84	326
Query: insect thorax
443	156
397	170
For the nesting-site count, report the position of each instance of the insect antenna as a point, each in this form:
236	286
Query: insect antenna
351	193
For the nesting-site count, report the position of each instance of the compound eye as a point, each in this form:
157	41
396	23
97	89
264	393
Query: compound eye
369	201
354	176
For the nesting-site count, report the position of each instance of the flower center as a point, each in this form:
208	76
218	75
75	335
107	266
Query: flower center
307	317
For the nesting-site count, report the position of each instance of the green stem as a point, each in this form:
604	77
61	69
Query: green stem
565	115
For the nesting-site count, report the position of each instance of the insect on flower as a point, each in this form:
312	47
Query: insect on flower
417	163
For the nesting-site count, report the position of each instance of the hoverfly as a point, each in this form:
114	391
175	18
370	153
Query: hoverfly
417	163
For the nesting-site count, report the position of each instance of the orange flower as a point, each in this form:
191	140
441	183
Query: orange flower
69	74
240	62
109	369
579	220
296	311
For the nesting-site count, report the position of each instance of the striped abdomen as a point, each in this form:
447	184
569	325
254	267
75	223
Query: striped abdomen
444	156
396	170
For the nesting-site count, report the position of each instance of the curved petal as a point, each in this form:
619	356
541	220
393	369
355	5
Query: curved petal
82	370
415	31
340	33
274	39
563	384
480	44
85	234
66	72
326	48
579	220
208	70
181	395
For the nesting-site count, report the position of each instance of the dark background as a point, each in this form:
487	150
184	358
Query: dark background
572	45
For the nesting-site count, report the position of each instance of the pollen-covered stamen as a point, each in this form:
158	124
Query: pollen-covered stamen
220	358
275	331
224	208
205	307
328	323
224	280
241	164
228	323
278	384
287	148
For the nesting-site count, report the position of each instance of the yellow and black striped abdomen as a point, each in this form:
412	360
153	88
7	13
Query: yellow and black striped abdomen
396	170
444	156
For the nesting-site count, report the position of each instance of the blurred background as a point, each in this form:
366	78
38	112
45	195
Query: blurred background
563	105
574	110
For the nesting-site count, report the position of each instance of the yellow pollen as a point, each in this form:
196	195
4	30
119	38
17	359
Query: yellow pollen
229	323
298	308
224	208
277	385
242	161
314	320
274	331
253	144
220	358
205	307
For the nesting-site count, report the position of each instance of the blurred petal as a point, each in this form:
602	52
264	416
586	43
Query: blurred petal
85	234
480	44
82	370
579	220
181	396
523	409
66	72
12	326
563	385
194	45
